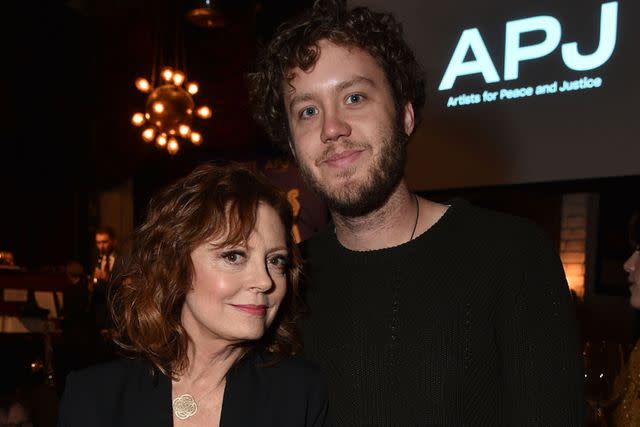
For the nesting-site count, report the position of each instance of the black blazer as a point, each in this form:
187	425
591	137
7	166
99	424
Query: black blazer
125	393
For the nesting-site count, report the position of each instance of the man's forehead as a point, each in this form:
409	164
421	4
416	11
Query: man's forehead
102	238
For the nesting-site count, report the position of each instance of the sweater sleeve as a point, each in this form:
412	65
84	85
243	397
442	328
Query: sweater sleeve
541	365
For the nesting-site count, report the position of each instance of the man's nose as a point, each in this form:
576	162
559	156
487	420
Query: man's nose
334	127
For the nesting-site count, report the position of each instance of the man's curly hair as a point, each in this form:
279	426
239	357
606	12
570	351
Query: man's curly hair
295	44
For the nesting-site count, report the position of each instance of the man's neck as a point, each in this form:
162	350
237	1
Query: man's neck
396	222
390	225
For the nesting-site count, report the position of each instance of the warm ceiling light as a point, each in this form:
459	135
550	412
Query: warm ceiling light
167	74
170	110
178	78
192	88
196	138
142	84
184	130
204	112
148	134
137	119
161	140
172	146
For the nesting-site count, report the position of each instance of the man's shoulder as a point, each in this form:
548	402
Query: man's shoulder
490	235
481	221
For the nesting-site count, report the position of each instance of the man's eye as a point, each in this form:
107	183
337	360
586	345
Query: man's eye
354	98
308	112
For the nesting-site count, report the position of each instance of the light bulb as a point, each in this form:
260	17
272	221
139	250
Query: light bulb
178	78
192	88
161	140
184	130
158	107
204	112
172	146
148	134
167	74
196	138
142	84
137	119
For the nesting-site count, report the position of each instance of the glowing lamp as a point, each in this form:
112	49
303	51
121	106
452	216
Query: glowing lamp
161	140
142	84
167	74
137	119
192	88
148	134
196	138
172	146
204	112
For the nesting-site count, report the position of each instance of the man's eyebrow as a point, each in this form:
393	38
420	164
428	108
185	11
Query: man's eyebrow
299	98
303	97
354	81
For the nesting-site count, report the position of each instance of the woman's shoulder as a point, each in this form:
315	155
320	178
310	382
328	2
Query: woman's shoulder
102	394
110	372
268	381
105	380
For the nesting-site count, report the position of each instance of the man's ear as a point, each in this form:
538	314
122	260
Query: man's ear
408	118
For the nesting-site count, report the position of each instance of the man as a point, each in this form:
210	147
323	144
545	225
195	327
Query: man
421	313
105	244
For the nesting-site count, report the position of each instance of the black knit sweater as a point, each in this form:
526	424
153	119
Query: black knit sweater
468	324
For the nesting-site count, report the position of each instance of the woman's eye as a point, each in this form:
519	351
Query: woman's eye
354	98
308	112
279	261
233	256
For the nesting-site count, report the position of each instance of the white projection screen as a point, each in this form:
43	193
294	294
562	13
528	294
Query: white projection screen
523	91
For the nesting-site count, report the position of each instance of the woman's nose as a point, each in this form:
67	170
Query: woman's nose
631	263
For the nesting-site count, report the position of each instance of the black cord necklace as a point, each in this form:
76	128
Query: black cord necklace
415	224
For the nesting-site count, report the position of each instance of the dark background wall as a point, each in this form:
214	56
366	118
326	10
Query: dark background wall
69	97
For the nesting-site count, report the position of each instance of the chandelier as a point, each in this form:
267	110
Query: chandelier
170	109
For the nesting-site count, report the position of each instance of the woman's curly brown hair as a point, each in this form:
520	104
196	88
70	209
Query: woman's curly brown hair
148	295
295	44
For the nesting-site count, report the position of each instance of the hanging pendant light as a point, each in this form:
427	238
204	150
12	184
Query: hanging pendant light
170	108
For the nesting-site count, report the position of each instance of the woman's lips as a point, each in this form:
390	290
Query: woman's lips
256	310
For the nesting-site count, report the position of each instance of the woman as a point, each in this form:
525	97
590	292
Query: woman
627	385
207	306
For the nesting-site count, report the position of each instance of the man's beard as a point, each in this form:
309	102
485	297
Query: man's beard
384	176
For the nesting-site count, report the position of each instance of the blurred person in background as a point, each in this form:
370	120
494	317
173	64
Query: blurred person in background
100	278
627	384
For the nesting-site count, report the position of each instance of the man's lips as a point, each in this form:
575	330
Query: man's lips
256	310
343	159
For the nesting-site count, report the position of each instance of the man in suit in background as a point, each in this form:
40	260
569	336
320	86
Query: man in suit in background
106	261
